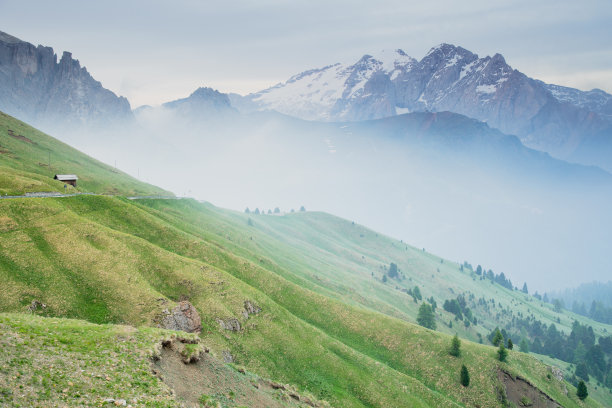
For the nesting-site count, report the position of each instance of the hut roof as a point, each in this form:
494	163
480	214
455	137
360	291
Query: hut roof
65	177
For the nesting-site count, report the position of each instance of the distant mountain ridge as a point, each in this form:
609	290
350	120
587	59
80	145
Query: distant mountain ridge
555	119
38	89
203	101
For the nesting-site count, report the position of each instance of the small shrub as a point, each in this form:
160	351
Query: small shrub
525	402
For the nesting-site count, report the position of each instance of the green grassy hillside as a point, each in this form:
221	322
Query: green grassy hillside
107	259
329	324
49	362
338	258
29	159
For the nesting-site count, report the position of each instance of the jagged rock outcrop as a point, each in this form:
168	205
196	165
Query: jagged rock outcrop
37	89
250	308
231	324
183	317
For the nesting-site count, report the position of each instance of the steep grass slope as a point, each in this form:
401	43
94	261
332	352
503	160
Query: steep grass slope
107	259
344	260
29	159
62	362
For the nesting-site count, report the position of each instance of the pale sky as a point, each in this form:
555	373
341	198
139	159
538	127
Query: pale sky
156	51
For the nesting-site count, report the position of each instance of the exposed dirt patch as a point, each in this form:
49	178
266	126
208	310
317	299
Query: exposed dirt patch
206	380
3	150
20	137
523	394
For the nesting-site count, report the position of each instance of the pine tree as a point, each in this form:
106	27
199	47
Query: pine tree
502	353
525	290
455	349
581	391
497	337
465	376
510	344
417	293
426	316
392	271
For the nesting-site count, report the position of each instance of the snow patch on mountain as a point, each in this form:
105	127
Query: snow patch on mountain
486	89
594	100
334	92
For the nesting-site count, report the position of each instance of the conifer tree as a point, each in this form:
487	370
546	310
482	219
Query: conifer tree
581	391
455	349
497	337
426	316
502	353
465	376
510	344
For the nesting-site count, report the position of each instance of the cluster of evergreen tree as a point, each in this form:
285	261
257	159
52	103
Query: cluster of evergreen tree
598	311
493	277
592	356
276	211
459	308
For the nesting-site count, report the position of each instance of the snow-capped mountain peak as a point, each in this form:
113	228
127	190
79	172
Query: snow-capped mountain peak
321	94
448	78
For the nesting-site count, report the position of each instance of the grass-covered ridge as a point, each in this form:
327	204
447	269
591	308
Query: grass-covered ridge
25	155
108	259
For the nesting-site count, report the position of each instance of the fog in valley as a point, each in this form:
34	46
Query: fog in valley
442	182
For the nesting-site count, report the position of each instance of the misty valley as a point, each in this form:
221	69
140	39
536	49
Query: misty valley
390	232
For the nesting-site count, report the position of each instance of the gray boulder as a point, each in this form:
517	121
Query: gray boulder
183	317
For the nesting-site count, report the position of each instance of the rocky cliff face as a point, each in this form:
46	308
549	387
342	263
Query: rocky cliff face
555	119
38	89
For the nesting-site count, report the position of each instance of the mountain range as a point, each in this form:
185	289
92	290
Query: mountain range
568	123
